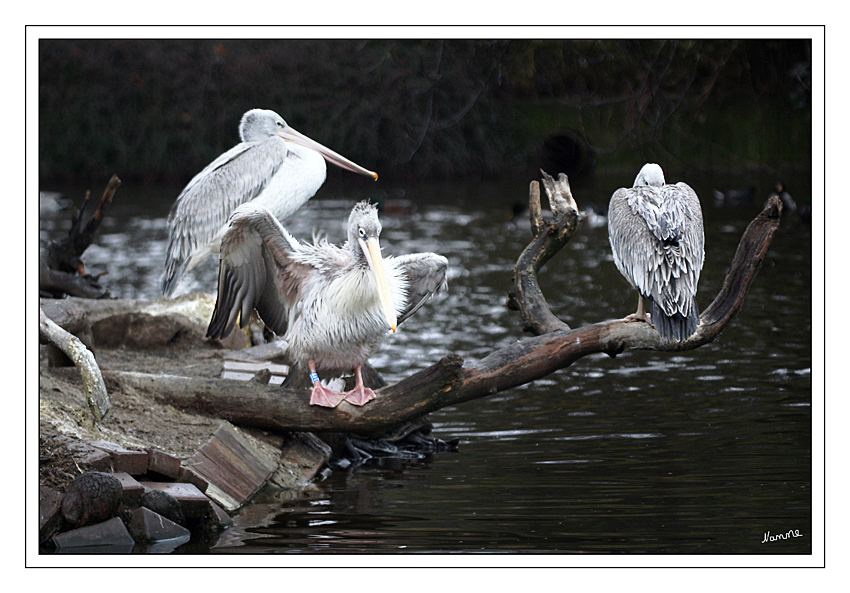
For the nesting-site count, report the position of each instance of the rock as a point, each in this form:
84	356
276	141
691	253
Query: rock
146	525
106	537
49	516
164	504
93	497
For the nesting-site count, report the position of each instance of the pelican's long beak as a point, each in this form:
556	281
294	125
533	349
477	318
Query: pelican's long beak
297	137
372	250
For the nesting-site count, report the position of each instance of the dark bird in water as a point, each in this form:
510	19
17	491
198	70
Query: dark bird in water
273	166
788	203
332	304
657	237
735	197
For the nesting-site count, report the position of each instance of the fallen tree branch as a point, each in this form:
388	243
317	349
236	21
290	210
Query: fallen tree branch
452	381
96	395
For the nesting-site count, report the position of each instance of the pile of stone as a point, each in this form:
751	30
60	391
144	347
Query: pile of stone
127	498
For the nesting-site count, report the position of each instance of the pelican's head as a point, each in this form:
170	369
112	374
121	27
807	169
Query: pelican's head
650	174
364	230
259	124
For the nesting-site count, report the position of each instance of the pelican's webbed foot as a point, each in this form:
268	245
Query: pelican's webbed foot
359	395
324	396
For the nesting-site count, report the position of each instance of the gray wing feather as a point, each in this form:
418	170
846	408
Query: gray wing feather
425	274
657	238
203	207
256	271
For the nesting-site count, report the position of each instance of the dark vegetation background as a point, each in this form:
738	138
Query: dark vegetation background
157	111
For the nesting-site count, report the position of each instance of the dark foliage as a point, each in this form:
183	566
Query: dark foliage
159	110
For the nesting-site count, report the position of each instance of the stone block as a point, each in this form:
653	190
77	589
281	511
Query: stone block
108	537
49	517
146	526
306	453
194	503
233	467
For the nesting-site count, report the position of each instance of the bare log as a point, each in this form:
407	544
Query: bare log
96	395
451	380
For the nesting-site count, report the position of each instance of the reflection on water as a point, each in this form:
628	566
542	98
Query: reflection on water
696	452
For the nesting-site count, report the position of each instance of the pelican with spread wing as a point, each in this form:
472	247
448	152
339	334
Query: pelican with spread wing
333	304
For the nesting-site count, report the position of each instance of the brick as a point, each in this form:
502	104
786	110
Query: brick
163	463
134	463
88	458
133	490
190	476
194	503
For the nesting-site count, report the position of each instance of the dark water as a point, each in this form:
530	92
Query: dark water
702	452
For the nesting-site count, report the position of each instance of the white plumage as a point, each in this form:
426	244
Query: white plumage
333	304
273	166
656	234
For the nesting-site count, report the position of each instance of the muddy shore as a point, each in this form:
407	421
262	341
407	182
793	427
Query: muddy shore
156	338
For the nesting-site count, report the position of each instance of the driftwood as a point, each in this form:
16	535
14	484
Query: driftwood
73	347
61	270
452	380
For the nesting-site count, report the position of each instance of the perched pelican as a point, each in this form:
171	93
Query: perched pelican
273	166
333	305
658	242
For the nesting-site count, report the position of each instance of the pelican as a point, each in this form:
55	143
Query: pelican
274	166
657	237
333	305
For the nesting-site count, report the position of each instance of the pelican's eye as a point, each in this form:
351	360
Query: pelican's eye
279	124
361	231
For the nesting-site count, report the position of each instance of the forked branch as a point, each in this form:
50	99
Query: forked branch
452	380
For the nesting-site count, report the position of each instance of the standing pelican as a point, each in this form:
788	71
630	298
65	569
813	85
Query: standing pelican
658	242
273	165
333	305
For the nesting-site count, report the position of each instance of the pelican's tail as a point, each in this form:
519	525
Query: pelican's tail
676	327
